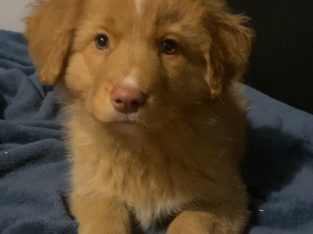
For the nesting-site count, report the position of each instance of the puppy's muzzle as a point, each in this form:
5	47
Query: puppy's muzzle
126	99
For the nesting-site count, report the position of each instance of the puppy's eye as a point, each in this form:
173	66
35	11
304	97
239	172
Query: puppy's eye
102	41
169	47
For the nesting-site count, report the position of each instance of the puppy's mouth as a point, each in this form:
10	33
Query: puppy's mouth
127	120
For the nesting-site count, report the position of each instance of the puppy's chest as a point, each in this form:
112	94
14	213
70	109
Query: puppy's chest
153	193
154	185
152	206
149	214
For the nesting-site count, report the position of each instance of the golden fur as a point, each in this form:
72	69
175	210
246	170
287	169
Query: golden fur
180	154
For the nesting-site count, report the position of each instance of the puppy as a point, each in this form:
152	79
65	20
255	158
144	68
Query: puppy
157	124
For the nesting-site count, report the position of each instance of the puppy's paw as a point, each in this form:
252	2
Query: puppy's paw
189	222
197	229
104	229
98	215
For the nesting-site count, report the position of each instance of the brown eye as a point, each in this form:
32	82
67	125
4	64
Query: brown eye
102	42
169	47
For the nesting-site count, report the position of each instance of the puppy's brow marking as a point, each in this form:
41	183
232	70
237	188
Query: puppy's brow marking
130	80
138	5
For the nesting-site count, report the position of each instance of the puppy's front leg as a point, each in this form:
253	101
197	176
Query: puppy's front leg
219	221
98	215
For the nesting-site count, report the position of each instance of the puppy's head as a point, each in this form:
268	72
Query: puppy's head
138	61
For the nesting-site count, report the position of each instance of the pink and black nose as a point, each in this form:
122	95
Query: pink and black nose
126	99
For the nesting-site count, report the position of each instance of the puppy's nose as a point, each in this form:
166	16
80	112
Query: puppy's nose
127	99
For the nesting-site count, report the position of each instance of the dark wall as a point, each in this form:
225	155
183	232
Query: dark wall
282	59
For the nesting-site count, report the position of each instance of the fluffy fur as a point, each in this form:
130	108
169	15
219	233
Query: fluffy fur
180	154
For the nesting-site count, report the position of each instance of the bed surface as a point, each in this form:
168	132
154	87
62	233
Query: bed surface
33	171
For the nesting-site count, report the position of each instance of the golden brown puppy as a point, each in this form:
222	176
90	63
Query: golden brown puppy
157	126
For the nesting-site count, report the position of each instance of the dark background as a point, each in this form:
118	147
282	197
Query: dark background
281	63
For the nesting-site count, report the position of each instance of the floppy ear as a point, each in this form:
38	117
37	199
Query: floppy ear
49	31
229	50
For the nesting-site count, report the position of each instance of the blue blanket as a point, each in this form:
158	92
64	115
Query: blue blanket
33	184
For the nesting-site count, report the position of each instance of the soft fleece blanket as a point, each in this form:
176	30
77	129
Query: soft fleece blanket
33	183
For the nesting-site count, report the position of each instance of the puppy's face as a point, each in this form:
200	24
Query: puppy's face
139	61
144	62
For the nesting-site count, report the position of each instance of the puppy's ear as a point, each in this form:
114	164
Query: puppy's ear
229	50
49	31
